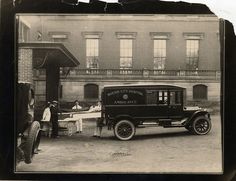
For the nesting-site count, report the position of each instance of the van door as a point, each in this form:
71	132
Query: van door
162	104
175	104
157	104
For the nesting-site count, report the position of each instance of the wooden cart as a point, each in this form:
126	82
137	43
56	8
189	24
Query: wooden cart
67	121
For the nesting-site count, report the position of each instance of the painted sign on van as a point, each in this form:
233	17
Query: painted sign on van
125	97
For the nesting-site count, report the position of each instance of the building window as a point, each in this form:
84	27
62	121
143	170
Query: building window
192	49
159	54
126	53
92	51
126	49
192	54
91	91
159	50
200	92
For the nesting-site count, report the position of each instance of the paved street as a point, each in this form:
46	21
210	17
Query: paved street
153	149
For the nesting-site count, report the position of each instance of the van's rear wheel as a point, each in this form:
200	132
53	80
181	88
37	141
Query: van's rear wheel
124	130
201	125
32	142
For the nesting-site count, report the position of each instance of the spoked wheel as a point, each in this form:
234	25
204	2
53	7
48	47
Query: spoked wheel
32	142
124	130
201	125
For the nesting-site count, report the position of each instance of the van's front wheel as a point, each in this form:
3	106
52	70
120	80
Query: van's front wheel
201	125
32	141
124	130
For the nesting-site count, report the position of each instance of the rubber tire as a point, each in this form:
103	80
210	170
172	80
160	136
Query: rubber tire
118	124
32	141
195	131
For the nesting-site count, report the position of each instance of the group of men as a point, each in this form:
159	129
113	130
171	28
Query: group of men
93	108
50	115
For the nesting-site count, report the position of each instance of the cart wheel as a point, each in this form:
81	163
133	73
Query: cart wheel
201	125
70	128
124	130
32	142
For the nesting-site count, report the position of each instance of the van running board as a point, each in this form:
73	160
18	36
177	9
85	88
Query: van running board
160	123
156	125
148	124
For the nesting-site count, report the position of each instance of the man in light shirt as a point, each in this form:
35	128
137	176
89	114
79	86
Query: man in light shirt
46	120
78	123
77	106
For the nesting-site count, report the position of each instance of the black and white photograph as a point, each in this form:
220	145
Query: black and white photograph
119	93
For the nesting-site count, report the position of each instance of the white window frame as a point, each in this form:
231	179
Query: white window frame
126	50
192	49
159	51
92	53
92	41
192	54
126	53
159	54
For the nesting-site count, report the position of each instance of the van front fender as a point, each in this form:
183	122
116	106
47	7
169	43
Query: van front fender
198	113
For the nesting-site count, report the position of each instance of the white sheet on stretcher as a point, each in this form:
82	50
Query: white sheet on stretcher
81	115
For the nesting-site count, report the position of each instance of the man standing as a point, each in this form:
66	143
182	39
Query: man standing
54	119
99	121
79	122
46	120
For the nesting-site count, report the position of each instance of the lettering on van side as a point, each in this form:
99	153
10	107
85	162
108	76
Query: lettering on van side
126	102
122	91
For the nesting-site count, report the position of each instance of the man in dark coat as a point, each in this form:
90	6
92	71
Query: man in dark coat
54	119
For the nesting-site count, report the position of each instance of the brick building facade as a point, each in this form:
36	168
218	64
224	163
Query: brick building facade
182	50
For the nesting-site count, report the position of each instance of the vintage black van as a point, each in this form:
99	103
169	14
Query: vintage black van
127	107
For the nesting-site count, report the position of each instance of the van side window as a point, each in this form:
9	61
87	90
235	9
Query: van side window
163	97
175	97
151	97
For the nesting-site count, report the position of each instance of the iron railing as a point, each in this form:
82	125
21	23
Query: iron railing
137	73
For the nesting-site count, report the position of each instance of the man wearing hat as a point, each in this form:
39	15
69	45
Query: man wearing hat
54	119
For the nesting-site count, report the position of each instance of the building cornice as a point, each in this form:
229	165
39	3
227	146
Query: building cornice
135	17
